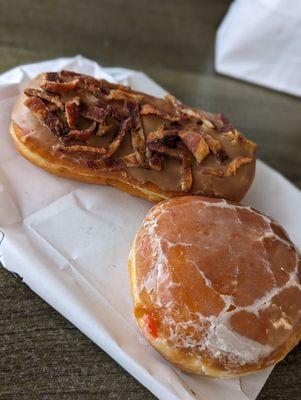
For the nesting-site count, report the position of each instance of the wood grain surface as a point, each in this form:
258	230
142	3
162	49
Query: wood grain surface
43	356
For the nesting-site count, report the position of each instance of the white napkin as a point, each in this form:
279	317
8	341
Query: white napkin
259	41
70	243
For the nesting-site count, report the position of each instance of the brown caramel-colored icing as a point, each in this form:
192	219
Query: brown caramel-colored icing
169	178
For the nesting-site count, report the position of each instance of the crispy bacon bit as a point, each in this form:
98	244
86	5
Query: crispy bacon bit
52	107
52	76
44	115
80	149
208	123
116	86
69	74
137	134
117	113
161	134
190	112
89	99
147	109
81	134
174	102
186	181
216	148
180	153
221	156
234	136
60	87
237	137
93	85
125	96
222	123
195	143
52	98
115	143
165	150
94	113
230	169
72	112
198	114
148	154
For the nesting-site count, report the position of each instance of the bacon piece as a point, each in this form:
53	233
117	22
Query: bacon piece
89	98
230	169
60	87
222	123
94	113
81	134
237	137
191	112
216	148
45	116
124	95
148	154
161	134
52	98
116	86
165	150
115	143
72	112
171	99
93	85
180	153
208	123
119	113
195	143
80	149
214	145
51	76
70	74
147	109
137	132
186	181
221	156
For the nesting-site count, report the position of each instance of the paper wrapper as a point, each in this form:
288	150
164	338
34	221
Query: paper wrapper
70	242
259	41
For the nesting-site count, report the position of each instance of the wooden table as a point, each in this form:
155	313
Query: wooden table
42	356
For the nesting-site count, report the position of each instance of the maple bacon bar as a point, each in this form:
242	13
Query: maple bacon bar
83	128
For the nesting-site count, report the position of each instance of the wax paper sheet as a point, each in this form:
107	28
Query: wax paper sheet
70	242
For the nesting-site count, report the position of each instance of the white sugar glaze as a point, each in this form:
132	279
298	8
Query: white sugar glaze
215	333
